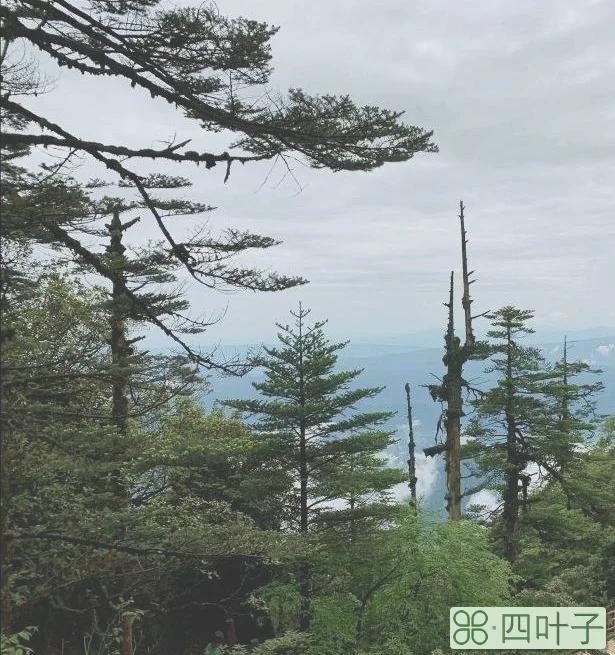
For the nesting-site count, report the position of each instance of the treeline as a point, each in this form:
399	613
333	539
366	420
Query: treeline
277	513
133	519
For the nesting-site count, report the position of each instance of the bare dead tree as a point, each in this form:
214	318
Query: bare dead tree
412	479
450	391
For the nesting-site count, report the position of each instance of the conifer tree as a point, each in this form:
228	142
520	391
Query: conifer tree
210	68
572	418
327	450
533	415
206	65
507	415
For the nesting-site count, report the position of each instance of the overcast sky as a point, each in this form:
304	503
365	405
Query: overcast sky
521	98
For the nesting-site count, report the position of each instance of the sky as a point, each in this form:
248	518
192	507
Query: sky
521	98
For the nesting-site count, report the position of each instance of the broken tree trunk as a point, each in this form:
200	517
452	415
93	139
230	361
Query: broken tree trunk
450	391
453	360
411	458
231	636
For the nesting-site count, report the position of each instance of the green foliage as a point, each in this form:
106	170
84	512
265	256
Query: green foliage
216	490
392	645
290	643
393	588
61	455
17	644
534	415
333	623
441	565
568	540
282	603
191	453
307	425
111	480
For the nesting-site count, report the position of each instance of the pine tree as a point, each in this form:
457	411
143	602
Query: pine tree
534	415
206	65
210	68
507	416
572	418
327	452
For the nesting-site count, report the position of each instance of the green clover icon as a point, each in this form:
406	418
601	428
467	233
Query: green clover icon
470	627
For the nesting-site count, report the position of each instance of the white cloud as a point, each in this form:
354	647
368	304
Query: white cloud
427	477
427	473
485	497
401	492
605	349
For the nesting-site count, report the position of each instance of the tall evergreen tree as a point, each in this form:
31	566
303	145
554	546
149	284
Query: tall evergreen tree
327	452
534	415
572	418
507	417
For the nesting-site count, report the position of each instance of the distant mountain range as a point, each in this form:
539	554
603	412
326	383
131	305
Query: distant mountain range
394	363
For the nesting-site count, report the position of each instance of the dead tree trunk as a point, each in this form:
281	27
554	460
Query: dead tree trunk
453	360
450	391
412	480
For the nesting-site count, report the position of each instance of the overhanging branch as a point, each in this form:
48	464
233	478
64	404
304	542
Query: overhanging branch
16	139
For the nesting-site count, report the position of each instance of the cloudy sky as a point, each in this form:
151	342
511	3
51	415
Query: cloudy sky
521	98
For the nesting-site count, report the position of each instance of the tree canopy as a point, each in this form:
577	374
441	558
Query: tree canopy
130	514
325	450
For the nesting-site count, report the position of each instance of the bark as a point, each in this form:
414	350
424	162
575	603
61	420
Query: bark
231	635
450	392
412	480
510	512
452	382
